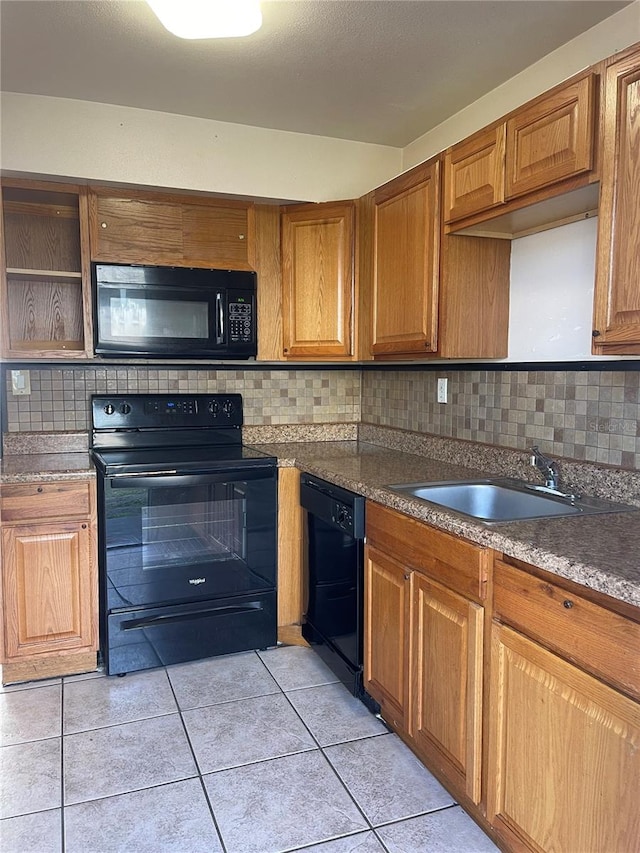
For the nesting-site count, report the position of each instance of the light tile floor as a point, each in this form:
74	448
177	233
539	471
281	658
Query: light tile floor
251	753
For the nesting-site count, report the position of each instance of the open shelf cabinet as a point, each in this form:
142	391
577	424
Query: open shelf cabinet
45	282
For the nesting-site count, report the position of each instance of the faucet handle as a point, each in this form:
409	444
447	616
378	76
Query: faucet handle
547	467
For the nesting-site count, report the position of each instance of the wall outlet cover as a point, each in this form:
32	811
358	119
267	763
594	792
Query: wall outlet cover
20	383
442	390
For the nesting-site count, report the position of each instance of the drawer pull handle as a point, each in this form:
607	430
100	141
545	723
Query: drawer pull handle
567	603
39	489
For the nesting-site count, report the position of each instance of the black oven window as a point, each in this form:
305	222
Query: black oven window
169	526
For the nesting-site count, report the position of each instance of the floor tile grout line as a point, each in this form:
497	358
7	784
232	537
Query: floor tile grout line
123	723
197	766
333	770
420	814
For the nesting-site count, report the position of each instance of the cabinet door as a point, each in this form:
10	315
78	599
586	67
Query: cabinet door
407	252
387	635
552	139
138	231
48	588
446	669
216	235
474	174
617	293
317	278
564	759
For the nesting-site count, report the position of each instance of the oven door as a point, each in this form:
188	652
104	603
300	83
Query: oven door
172	539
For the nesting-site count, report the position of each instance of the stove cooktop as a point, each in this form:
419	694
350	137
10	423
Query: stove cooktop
179	460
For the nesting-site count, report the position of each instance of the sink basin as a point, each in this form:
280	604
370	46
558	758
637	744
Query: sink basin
499	500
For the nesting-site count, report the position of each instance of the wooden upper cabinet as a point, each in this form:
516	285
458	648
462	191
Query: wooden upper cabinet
616	327
551	139
406	263
318	280
474	174
540	150
45	304
146	228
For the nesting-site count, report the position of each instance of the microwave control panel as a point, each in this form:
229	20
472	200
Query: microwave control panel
241	325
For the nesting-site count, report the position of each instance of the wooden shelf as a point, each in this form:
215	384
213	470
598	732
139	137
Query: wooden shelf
48	346
26	274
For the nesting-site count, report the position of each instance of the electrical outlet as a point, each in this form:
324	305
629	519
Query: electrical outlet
20	383
442	390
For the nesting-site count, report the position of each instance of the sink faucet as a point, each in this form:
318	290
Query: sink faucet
547	467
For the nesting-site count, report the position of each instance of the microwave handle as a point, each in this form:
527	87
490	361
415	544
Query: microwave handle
219	319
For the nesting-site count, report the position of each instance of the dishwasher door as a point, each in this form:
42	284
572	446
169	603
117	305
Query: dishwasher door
335	577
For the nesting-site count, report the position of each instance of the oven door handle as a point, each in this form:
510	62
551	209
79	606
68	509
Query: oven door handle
154	480
221	610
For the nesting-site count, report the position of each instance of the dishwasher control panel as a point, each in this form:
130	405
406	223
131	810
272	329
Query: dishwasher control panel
334	505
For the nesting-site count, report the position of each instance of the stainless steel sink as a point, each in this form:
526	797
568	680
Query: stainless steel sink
499	500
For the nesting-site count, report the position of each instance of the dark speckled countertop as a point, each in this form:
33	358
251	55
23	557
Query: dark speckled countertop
599	551
43	467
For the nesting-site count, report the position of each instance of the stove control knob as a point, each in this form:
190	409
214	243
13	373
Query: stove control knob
227	407
125	408
213	407
109	409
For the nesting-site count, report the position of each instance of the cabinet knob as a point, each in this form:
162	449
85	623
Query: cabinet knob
39	489
427	344
567	603
595	333
84	526
103	224
240	236
406	577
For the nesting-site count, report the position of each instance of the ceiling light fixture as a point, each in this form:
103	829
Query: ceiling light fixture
208	19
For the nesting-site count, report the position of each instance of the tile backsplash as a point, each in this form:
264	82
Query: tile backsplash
587	415
59	399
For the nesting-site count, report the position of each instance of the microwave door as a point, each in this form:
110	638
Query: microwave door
158	320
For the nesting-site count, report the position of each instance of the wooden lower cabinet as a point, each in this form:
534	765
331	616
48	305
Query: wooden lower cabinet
519	690
564	756
424	642
47	603
447	674
49	580
387	635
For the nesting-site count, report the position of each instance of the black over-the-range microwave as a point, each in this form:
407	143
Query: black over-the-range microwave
173	312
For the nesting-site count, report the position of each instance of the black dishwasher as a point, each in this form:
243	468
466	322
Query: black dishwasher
333	622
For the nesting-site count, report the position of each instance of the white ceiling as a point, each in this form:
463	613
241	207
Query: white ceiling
382	72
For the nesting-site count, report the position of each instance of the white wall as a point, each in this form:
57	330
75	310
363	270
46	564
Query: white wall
79	139
102	142
612	35
551	305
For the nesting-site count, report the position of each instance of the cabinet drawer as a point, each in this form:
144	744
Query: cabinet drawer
597	639
459	565
45	500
